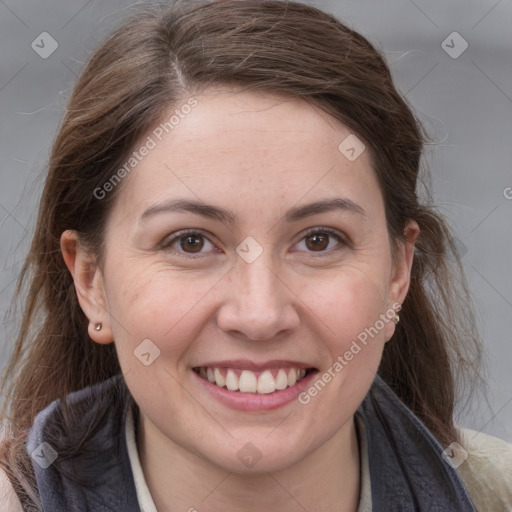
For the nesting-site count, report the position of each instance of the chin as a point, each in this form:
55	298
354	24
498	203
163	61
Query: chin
255	457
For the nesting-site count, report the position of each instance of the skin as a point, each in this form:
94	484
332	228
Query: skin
257	156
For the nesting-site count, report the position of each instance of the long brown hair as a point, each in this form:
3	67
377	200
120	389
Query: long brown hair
149	65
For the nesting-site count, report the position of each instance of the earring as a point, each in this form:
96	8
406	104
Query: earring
396	319
98	326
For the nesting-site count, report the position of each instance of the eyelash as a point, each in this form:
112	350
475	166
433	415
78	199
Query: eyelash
167	244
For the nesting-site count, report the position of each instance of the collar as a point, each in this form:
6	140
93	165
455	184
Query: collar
406	468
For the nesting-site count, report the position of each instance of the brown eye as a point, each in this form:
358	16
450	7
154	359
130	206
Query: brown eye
322	240
317	242
192	243
188	243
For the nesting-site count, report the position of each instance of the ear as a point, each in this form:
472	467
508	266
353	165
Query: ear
89	286
401	273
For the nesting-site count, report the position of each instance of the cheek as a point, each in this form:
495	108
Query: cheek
156	305
349	311
349	303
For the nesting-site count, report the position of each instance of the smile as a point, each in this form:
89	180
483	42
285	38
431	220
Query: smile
251	386
248	381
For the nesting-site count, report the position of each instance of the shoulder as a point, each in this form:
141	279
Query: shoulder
8	498
487	470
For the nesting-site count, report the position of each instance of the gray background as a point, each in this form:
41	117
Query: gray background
465	102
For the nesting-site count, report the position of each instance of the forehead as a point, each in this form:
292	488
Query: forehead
245	147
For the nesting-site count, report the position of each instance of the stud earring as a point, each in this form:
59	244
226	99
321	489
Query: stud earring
98	326
396	319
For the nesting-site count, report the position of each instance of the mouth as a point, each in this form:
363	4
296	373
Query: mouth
248	386
260	382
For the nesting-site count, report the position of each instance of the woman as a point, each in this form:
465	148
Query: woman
236	301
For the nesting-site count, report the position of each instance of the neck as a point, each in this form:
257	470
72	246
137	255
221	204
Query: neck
327	479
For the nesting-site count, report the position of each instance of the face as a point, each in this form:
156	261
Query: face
246	251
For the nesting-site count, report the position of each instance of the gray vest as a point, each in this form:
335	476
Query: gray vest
407	471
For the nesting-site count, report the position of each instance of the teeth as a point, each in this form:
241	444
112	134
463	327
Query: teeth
210	375
281	380
232	381
266	382
292	377
219	379
248	382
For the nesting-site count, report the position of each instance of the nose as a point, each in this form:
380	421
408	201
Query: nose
259	304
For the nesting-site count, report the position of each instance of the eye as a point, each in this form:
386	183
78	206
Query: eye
188	242
322	240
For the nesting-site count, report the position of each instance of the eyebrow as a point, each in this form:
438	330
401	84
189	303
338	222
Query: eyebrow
220	214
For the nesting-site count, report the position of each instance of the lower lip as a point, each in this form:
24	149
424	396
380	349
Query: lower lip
255	401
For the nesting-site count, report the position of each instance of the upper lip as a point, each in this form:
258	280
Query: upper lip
245	364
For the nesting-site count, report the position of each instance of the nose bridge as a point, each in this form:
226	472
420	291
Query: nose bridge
259	304
260	286
255	269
